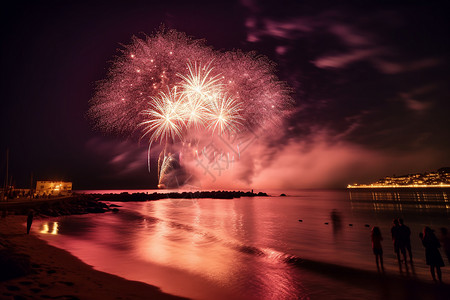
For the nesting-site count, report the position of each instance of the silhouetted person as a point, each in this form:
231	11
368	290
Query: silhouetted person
335	220
445	240
399	245
29	221
376	247
432	254
404	234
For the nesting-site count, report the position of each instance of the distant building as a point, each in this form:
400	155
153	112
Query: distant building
53	188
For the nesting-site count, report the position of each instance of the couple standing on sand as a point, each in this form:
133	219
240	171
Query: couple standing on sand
400	236
402	242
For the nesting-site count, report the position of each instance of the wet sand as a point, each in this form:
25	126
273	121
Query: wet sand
55	274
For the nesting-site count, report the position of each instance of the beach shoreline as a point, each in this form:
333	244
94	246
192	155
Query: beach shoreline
50	272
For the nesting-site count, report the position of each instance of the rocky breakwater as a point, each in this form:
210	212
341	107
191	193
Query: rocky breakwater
126	197
73	205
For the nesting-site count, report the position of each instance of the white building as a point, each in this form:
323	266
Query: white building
53	188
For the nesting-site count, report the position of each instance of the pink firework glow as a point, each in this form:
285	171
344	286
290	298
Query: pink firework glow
169	88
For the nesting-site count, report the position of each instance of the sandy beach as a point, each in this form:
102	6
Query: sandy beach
55	274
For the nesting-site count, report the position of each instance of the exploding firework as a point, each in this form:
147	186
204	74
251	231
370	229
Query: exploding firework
170	88
199	84
165	117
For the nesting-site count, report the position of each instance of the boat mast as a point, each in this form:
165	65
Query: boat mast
31	185
5	188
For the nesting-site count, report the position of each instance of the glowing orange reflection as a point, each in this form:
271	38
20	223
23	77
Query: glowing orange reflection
45	228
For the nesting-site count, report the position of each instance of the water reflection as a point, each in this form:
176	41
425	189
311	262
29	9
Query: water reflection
49	228
429	200
216	256
210	250
243	248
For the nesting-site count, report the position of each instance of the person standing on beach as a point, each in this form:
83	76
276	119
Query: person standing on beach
404	234
336	221
432	254
396	239
445	240
376	247
29	221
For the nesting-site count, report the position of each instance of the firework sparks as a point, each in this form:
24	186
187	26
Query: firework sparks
200	83
165	117
175	88
225	115
164	166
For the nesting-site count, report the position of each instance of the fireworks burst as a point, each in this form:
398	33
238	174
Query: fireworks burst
175	88
165	117
199	84
225	115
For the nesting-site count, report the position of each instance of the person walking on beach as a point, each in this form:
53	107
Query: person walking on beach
432	254
445	240
376	247
335	220
404	234
29	221
399	245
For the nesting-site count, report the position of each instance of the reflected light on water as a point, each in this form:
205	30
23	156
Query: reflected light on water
404	200
217	256
248	248
162	243
45	228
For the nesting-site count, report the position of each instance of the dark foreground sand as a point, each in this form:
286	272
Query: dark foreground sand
54	273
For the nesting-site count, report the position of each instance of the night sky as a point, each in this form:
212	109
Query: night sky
370	85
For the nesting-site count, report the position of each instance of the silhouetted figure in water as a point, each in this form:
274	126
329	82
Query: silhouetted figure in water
399	245
376	247
432	254
29	221
404	235
445	240
336	220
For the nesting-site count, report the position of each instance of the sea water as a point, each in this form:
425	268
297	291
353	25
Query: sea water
241	248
